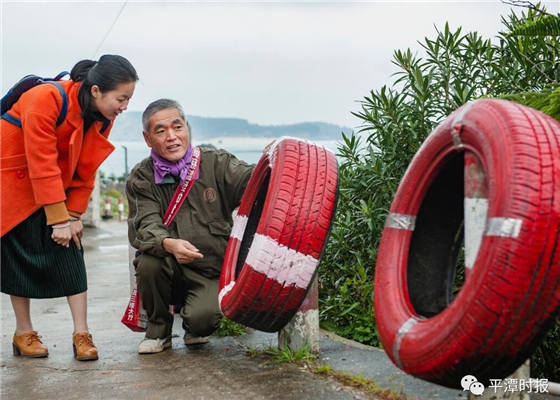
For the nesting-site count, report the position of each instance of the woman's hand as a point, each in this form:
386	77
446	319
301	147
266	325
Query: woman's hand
62	234
77	230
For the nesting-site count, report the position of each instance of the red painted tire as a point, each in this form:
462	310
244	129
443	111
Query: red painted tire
512	295
279	234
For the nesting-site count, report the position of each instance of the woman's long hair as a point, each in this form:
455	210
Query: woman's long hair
107	73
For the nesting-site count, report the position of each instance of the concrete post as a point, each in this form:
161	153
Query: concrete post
476	209
303	329
121	209
92	216
107	213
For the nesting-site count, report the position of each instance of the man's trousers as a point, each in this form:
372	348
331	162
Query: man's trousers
159	287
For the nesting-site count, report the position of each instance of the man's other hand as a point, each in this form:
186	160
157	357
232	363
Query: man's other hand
183	251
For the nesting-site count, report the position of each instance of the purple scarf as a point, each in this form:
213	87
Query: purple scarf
179	169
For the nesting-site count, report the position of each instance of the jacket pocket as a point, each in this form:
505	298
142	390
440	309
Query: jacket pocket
219	228
13	162
13	169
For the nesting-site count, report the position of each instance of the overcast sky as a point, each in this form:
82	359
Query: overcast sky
268	62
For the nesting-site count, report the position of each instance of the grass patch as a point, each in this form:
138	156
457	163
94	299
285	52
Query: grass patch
359	382
305	357
253	352
286	355
229	328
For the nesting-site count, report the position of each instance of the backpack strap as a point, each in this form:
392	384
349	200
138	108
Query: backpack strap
63	111
11	119
60	76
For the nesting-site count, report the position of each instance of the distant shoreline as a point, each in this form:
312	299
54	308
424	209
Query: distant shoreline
128	127
248	149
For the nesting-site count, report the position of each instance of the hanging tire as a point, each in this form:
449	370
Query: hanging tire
278	234
512	295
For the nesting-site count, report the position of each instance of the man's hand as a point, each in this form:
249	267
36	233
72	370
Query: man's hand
183	250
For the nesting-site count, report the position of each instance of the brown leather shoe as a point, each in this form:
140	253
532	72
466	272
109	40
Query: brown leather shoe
29	345
84	349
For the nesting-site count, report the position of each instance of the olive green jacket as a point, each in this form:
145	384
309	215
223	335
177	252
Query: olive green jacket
205	217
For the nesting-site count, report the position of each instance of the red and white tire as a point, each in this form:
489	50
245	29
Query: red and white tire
278	234
512	293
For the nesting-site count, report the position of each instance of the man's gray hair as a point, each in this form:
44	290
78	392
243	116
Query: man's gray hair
159	105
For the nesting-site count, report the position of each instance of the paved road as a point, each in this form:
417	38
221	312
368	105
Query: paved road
220	370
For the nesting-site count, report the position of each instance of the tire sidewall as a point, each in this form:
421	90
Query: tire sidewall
392	303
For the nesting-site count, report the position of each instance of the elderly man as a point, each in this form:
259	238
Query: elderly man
179	262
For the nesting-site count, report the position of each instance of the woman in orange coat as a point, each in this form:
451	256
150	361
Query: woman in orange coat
48	172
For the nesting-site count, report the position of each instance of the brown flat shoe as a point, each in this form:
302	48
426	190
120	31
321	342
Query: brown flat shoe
29	345
84	349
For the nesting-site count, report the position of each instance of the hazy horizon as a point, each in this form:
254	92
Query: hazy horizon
267	62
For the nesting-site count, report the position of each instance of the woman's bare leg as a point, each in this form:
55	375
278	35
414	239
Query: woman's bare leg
78	308
21	306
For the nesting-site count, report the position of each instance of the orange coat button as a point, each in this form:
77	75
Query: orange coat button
20	173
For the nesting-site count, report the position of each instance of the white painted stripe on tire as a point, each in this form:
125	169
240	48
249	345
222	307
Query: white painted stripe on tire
457	125
281	263
403	330
400	221
476	210
460	116
504	227
239	224
225	290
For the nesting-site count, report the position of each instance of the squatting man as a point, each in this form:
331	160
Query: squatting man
180	264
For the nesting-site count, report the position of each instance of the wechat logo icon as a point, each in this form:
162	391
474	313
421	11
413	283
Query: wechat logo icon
470	383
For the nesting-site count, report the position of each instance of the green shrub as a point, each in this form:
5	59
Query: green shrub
545	362
547	101
457	67
114	195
